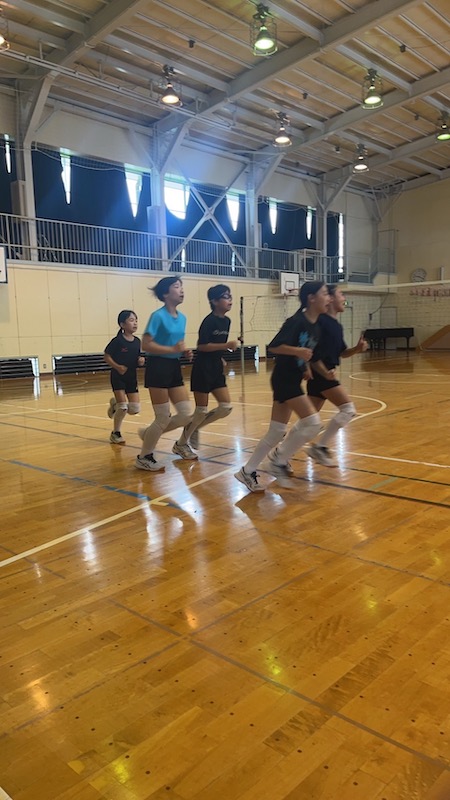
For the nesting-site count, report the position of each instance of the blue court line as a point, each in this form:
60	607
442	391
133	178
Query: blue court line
85	481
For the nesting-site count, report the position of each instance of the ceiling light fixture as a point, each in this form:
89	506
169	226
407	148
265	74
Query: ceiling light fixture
443	132
170	96
360	164
4	43
282	138
263	32
371	90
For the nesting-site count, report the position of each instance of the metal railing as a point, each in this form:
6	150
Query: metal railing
54	241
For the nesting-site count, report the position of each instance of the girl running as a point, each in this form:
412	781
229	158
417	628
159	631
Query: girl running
123	356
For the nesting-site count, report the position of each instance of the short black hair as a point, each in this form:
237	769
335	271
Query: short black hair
216	292
163	286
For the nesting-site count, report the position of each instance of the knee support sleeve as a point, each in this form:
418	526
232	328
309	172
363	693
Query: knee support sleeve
182	417
309	427
123	406
346	412
134	408
162	416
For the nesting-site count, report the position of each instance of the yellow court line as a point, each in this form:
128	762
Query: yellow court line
100	523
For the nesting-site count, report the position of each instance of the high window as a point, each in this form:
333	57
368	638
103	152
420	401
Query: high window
176	197
66	172
134	186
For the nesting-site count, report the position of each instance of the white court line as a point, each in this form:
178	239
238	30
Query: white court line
100	523
3	795
399	460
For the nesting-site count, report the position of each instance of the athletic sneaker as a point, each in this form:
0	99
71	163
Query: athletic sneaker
148	463
321	454
116	438
184	451
112	407
249	479
273	458
278	471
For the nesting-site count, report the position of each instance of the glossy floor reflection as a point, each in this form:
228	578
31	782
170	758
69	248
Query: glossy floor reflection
170	635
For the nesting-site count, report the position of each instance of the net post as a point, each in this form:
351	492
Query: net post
241	332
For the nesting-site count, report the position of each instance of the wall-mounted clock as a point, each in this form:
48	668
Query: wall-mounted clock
418	275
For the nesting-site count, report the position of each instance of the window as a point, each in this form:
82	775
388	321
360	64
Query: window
273	214
176	197
233	209
134	186
66	172
341	232
309	222
7	153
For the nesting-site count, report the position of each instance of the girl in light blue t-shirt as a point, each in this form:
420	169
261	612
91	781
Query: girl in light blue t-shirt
163	341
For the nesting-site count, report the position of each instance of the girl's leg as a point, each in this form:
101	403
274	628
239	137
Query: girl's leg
179	397
306	427
117	412
204	417
152	434
198	418
281	413
346	410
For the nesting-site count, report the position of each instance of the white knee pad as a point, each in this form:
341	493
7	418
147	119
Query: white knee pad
123	406
184	412
162	415
134	408
309	426
223	410
346	412
276	432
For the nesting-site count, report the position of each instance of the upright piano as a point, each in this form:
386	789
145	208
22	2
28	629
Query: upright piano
377	336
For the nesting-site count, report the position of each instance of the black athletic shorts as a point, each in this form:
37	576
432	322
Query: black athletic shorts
163	373
207	375
319	384
286	384
126	383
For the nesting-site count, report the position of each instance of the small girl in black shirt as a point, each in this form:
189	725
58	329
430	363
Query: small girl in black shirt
123	356
207	375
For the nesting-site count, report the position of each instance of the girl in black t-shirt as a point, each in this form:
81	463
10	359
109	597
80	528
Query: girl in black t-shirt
123	354
324	384
207	375
293	347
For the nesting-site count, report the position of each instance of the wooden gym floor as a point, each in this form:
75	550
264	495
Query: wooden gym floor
172	636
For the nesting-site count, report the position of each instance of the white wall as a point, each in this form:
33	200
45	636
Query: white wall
49	310
421	219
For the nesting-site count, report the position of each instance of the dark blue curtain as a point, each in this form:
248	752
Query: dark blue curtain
332	234
290	233
6	178
100	196
49	193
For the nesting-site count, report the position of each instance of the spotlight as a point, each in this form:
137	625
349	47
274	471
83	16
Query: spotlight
263	32
371	90
170	96
4	43
443	132
282	138
360	164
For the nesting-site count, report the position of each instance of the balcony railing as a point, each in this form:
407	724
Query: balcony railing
53	241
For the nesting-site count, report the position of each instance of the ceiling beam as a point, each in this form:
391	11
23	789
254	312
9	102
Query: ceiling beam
335	34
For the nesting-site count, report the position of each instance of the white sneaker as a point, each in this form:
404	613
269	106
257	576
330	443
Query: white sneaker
184	451
112	407
273	458
249	479
116	438
278	471
148	463
321	454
